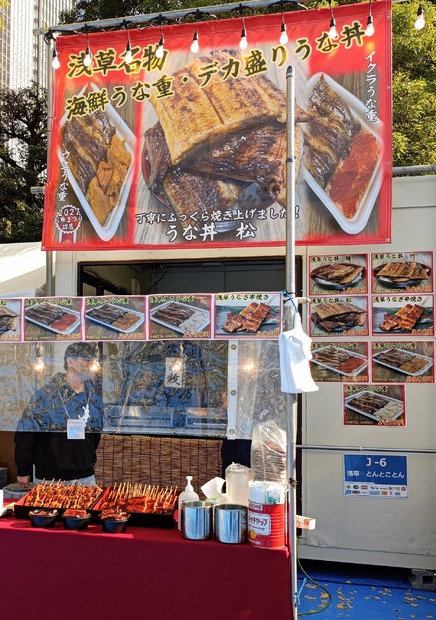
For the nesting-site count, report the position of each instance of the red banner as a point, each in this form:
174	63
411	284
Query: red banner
185	149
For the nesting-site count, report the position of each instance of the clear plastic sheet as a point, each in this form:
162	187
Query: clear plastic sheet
254	387
167	387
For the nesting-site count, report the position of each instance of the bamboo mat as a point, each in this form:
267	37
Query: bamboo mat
157	460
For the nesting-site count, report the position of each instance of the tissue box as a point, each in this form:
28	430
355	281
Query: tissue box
305	523
3	477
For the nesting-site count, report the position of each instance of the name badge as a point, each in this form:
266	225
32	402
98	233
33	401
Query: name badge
75	429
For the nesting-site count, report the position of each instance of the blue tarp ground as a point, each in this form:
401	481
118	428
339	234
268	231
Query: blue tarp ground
361	593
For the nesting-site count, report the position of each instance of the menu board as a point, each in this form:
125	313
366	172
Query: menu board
180	316
114	318
248	315
10	320
53	318
374	405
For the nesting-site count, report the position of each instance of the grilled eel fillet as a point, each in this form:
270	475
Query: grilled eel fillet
191	194
87	140
204	113
403	271
329	132
338	273
257	154
331	310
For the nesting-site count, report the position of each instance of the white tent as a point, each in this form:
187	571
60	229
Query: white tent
22	269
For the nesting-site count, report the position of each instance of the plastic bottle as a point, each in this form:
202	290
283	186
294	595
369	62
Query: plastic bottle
188	495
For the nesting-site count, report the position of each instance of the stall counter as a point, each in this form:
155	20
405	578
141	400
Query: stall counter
47	574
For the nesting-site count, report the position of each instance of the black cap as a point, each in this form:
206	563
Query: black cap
85	350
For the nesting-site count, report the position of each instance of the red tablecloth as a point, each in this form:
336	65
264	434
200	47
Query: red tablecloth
146	573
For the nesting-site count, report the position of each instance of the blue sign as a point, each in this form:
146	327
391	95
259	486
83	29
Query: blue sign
376	475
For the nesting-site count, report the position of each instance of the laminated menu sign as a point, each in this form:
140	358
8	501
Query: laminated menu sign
402	272
403	362
375	475
10	320
247	315
342	316
188	151
53	318
115	318
374	405
347	361
338	273
179	316
403	315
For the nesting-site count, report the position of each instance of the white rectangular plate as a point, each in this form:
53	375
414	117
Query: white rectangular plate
57	331
374	415
412	374
135	326
366	203
350	353
109	228
200	317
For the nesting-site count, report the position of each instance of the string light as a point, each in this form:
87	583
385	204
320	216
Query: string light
333	33
195	45
39	364
243	42
283	34
160	47
420	21
128	56
95	365
87	59
369	31
55	62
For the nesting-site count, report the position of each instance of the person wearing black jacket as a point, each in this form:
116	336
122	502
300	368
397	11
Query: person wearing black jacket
41	439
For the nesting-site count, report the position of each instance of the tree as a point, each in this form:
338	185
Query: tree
23	162
414	86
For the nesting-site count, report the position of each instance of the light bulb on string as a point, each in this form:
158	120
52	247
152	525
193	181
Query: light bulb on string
39	364
128	56
243	42
55	62
195	44
283	34
160	48
369	31
333	33
420	21
87	59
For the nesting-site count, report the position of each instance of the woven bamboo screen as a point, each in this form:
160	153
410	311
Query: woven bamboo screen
157	460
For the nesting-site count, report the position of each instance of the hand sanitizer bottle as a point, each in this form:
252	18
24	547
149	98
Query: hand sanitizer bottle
188	495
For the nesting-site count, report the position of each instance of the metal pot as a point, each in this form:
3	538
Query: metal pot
197	520
231	523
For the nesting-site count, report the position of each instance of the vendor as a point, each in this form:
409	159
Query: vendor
41	439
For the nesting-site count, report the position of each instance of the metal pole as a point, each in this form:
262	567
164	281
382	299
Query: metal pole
49	277
288	317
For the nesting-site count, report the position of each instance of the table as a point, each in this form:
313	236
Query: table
155	574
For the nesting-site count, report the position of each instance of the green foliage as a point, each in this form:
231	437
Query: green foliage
23	162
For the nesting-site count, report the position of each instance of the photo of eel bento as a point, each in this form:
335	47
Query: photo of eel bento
341	153
213	141
99	159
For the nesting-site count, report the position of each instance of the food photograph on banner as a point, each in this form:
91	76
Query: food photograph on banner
115	318
400	315
405	361
173	148
180	316
339	316
340	273
374	405
10	320
402	272
247	315
344	362
53	318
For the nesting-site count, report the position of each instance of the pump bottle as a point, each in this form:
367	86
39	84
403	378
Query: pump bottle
188	495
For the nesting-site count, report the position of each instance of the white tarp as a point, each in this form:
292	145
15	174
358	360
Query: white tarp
22	269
